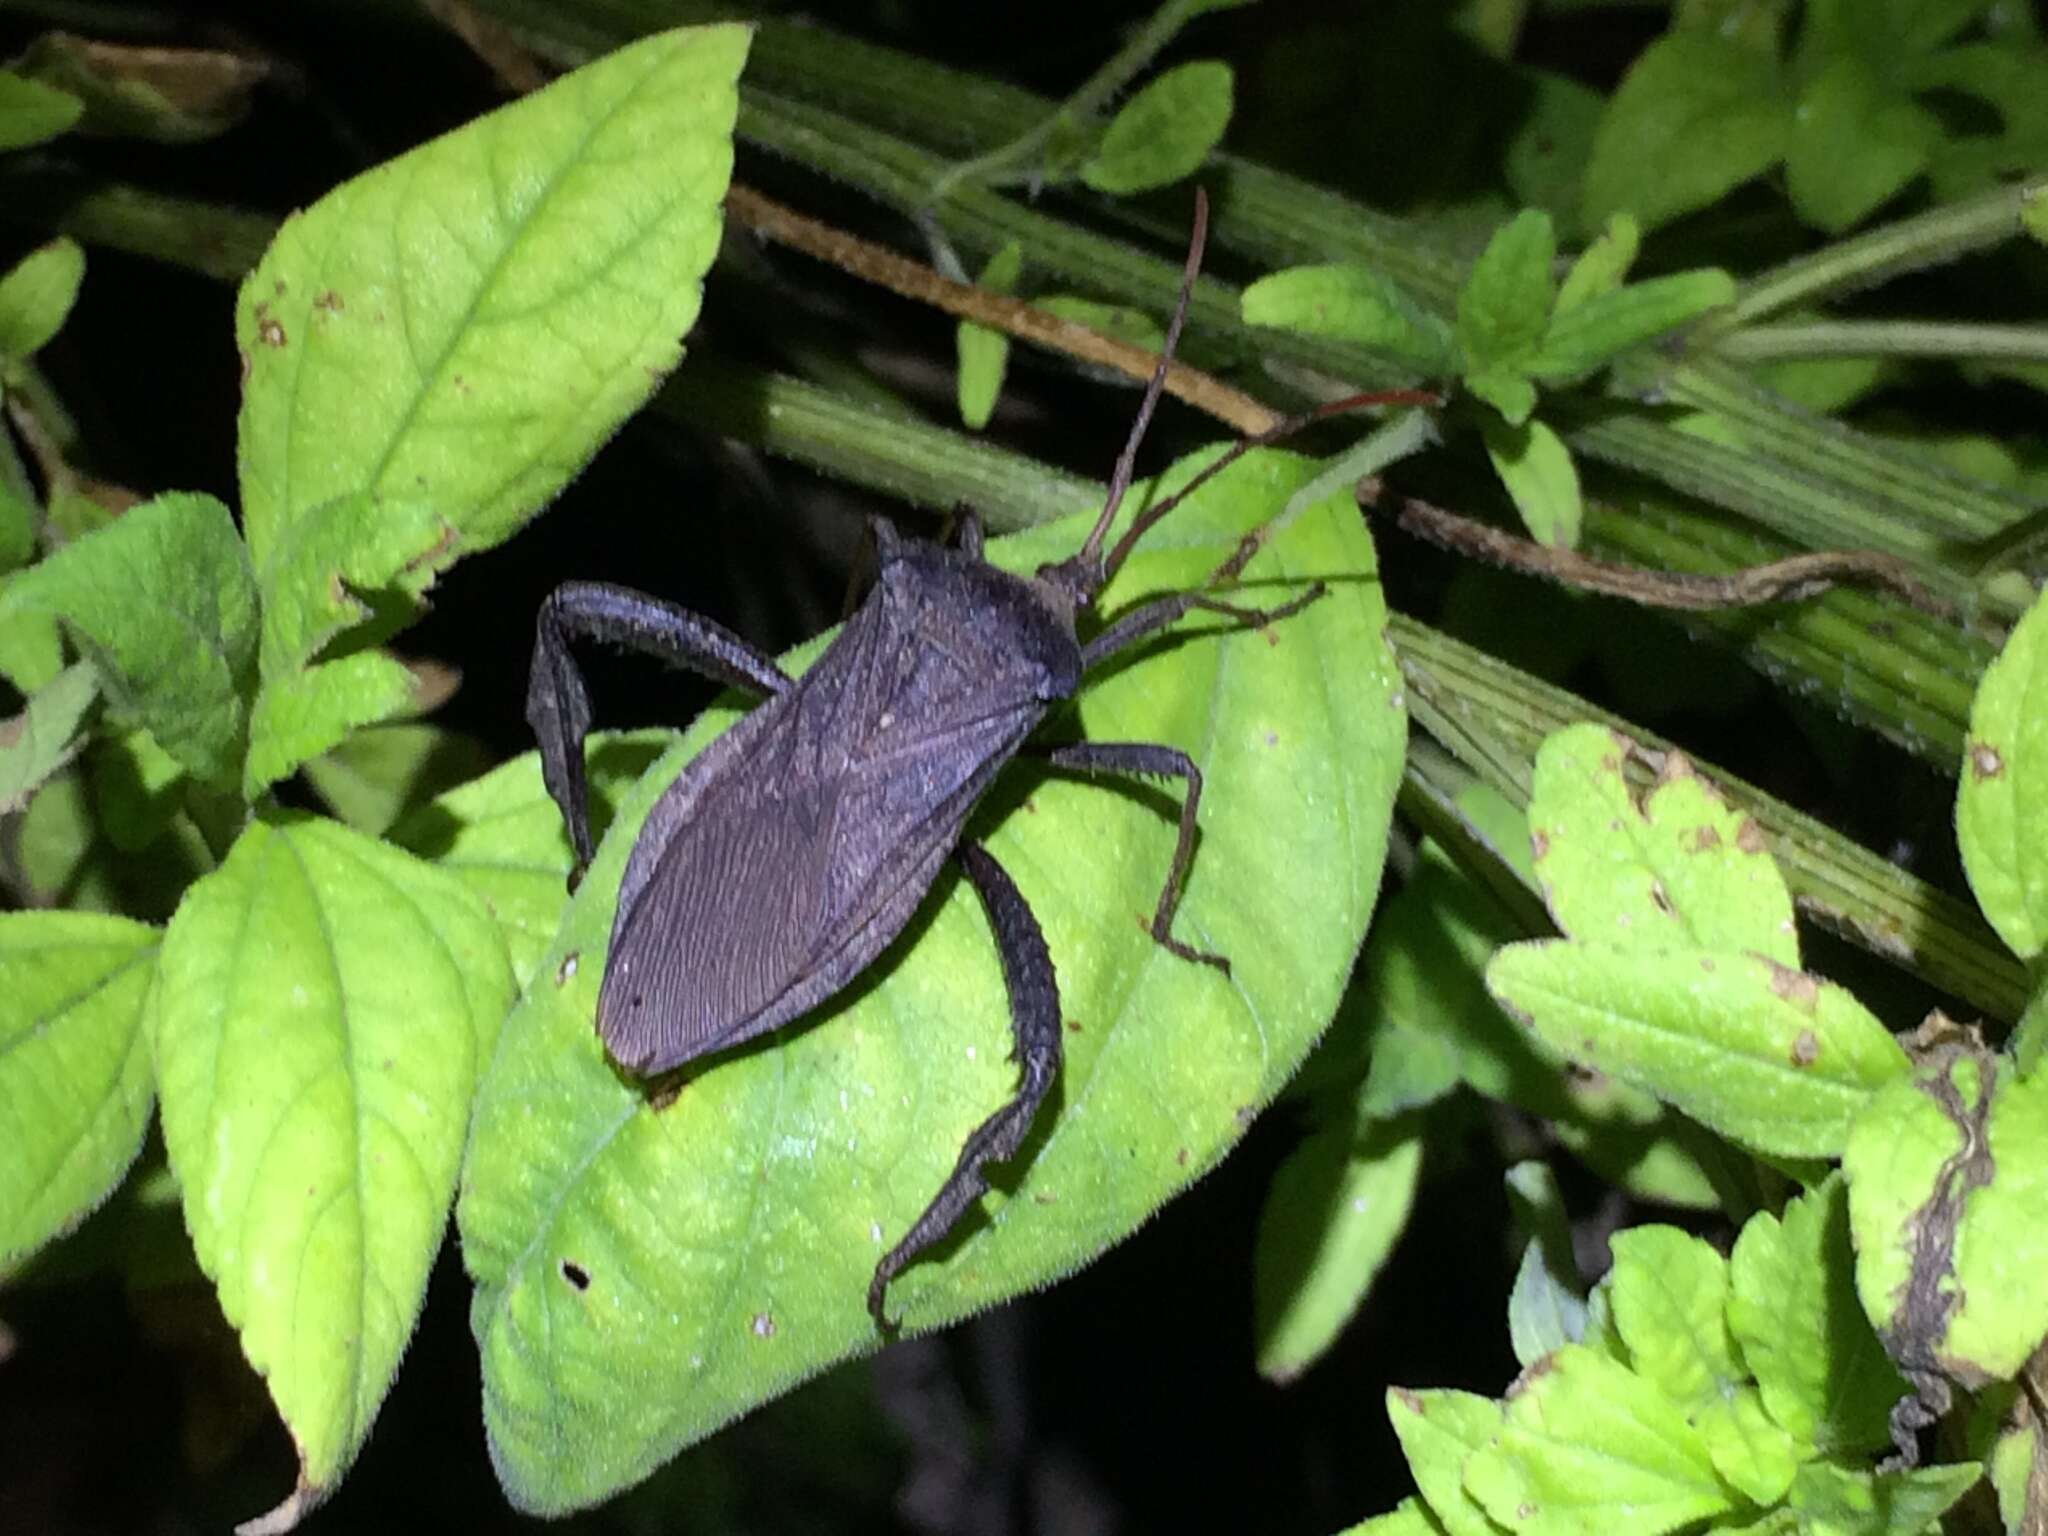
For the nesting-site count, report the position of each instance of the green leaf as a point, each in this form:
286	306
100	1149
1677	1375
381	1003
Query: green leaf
1773	1058
353	567
1408	1518
1835	1499
162	604
136	789
1505	303
17	531
1544	161
1792	1307
1165	132
1544	1314
1439	1431
465	325
984	352
1677	868
502	836
74	1067
45	736
1750	1450
1668	1293
1332	1216
375	776
1587	1446
1600	268
1507	390
1602	327
36	296
1696	114
2002	836
719	1251
31	112
1854	145
1536	467
1353	303
1948	1176
324	1006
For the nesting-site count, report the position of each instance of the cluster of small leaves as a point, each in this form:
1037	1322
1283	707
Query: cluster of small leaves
1689	1389
1849	103
432	350
1516	327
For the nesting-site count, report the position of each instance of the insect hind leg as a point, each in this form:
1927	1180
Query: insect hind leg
1035	1026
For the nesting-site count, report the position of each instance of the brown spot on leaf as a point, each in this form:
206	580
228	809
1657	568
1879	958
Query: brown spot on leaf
1707	964
566	971
1985	763
1805	1048
664	1096
1407	1399
1705	839
1180	1158
1749	837
1797	987
1539	843
1073	1026
1660	900
1676	766
1044	1199
762	1327
330	301
247	363
268	331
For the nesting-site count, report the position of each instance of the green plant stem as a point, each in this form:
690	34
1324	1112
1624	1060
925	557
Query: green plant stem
1493	718
1863	261
1022	158
207	238
1940	339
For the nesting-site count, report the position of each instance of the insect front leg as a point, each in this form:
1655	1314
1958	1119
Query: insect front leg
1149	618
1150	760
558	702
1035	1024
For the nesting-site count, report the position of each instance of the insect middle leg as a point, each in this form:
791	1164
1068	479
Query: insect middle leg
558	702
1150	760
1035	1025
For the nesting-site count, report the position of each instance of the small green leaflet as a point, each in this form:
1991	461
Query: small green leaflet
1165	132
36	296
2004	841
31	112
985	352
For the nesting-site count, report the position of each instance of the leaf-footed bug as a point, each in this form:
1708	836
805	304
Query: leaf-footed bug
789	853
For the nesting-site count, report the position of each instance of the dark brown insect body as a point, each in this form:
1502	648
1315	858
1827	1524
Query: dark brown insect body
786	856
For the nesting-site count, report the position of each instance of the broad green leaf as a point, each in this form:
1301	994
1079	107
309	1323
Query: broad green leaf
465	325
36	296
1884	31
1601	268
355	566
1439	1431
1408	1518
377	775
1948	1176
1332	1216
1677	867
1121	322
1601	328
645	1274
1696	114
1589	1446
162	604
324	1005
1792	1306
31	112
1506	389
1536	467
1669	1294
1749	1449
1836	1500
985	352
2022	1490
2000	828
1773	1058
1165	132
1505	303
44	736
502	836
1854	144
1353	303
165	95
74	1067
